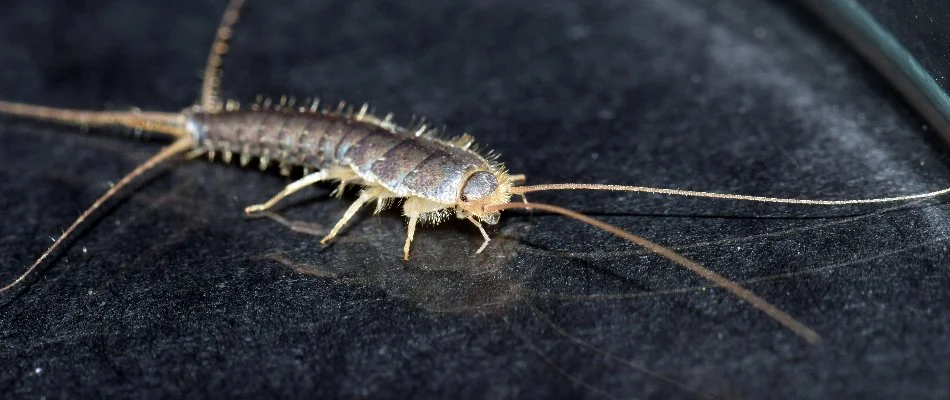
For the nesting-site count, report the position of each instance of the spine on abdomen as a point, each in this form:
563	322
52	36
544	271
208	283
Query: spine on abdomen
400	161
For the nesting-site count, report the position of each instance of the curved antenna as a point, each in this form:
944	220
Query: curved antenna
179	146
212	75
520	190
778	315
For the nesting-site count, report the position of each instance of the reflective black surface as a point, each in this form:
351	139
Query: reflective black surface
921	27
905	43
176	292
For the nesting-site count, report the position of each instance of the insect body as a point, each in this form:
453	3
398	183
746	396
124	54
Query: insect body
435	178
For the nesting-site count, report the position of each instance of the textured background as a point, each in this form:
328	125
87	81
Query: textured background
175	292
921	26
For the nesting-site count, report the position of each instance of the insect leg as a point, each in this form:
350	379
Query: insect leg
409	234
290	189
346	217
416	208
484	234
340	174
368	194
212	76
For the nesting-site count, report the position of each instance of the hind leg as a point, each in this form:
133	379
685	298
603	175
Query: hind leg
288	190
322	175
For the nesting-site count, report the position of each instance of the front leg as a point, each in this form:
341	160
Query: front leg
484	234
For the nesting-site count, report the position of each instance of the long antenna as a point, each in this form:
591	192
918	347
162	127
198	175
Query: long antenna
692	193
787	320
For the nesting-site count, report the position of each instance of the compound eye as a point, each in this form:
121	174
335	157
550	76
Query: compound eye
478	186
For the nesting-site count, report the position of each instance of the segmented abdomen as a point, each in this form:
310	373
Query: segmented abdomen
398	160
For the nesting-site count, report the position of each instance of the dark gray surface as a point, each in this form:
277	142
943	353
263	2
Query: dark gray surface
175	292
921	26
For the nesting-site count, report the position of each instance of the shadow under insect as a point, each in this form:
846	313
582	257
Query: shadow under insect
444	275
